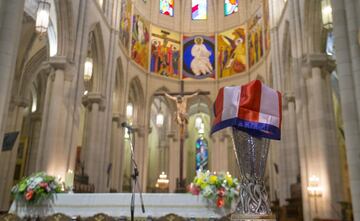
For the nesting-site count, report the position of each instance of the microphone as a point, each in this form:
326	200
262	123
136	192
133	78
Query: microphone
129	127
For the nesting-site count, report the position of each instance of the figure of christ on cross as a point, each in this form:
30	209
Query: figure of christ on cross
181	100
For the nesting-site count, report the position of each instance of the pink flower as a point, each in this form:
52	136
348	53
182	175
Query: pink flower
195	190
43	185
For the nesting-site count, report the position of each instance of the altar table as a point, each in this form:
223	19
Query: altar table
118	205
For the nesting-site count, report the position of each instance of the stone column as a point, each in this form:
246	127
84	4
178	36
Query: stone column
349	94
140	151
283	161
93	148
323	156
11	15
292	170
35	122
116	153
8	158
174	160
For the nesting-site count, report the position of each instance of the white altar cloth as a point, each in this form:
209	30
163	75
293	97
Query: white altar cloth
118	204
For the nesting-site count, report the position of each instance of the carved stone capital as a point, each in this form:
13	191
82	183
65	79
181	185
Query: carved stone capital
321	61
21	102
37	116
173	135
61	62
58	62
93	97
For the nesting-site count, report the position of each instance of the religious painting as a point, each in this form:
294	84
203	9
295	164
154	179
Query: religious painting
140	41
254	38
198	57
230	7
267	24
202	156
167	7
165	52
125	22
199	9
231	52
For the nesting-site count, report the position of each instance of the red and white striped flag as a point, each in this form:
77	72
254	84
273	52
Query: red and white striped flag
253	108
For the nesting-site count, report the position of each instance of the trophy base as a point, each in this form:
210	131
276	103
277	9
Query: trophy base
251	217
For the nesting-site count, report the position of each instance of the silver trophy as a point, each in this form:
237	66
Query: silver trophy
251	155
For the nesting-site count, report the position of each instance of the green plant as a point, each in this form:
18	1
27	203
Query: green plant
219	188
35	188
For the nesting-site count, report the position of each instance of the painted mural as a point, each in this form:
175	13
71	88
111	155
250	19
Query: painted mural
198	57
125	22
267	24
140	41
254	38
231	52
165	52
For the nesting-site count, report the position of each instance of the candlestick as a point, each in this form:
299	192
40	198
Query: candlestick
69	180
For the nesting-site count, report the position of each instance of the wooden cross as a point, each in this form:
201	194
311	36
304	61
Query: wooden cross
181	183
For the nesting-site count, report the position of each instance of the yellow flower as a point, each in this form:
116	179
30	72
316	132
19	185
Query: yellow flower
213	179
199	181
229	180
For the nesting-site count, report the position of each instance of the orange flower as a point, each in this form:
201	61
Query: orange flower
29	195
220	202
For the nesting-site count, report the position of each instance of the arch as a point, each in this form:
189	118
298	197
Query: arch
119	88
136	96
65	28
97	51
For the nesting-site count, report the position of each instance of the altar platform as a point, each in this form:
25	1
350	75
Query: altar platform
118	205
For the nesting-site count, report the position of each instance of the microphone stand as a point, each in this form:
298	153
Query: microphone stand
134	179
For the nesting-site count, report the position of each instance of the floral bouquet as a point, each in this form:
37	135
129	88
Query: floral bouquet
220	188
36	188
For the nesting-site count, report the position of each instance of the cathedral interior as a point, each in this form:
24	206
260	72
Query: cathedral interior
76	76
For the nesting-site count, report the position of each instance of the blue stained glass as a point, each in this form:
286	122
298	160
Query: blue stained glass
199	9
230	7
201	154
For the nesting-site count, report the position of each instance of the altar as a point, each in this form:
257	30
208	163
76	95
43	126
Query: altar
118	205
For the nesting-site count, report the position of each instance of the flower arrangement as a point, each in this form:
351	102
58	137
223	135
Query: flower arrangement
219	188
36	188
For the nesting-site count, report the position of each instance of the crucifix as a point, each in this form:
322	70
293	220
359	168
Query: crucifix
181	100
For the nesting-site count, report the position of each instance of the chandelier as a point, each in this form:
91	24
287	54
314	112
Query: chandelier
42	17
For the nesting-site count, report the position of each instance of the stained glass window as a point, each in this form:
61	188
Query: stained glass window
167	7
230	7
202	154
199	9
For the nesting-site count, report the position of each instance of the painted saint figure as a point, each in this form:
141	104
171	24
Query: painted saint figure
181	105
200	64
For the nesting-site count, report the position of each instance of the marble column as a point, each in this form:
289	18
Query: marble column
8	158
93	148
11	15
349	93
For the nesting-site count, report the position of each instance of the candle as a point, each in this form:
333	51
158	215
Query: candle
69	179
